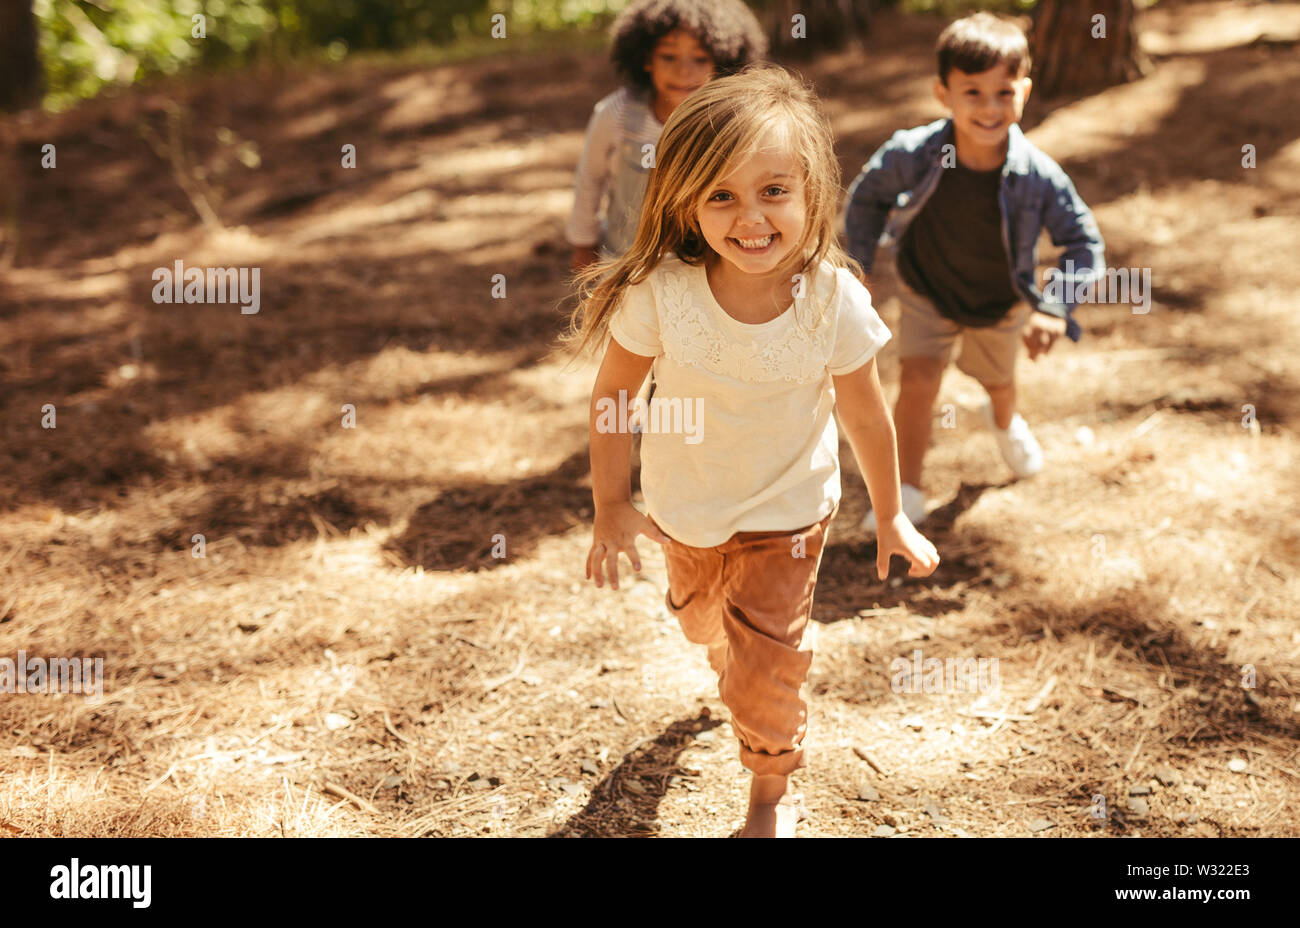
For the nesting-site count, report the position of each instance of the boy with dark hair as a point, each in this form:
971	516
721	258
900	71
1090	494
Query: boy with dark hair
958	205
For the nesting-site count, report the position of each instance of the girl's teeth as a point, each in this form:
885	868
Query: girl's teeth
755	242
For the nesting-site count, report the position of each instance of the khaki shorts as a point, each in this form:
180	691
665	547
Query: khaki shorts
987	353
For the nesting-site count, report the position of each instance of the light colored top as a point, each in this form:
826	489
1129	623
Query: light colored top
764	453
613	172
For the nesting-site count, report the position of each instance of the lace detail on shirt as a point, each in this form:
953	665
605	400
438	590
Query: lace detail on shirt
691	337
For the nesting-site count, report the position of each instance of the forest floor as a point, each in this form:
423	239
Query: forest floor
348	658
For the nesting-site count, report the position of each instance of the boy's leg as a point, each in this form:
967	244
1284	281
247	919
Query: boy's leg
913	414
989	355
767	588
1003	399
925	342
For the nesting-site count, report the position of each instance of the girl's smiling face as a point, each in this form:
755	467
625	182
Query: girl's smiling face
754	217
678	65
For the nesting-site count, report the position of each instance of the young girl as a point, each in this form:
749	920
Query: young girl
738	219
663	49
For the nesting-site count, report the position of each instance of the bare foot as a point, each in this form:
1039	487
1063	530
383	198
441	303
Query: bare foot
772	810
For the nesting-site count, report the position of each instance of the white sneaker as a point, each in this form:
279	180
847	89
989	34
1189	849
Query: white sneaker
1018	446
913	508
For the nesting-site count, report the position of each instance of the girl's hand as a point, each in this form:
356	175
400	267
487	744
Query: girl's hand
899	536
583	256
615	529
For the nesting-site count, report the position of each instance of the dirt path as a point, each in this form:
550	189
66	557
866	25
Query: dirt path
350	659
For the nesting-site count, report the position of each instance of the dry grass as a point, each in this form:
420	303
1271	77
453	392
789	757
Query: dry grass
350	659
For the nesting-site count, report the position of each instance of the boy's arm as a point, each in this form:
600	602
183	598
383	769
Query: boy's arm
871	196
1073	228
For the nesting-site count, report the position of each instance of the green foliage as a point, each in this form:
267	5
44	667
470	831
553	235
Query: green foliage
951	8
87	44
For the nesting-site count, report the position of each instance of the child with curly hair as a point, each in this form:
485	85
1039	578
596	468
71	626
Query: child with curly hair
663	50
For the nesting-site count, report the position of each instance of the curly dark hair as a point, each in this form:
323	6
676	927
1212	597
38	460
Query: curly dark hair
727	29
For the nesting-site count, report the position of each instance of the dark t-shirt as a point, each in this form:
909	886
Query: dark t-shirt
952	252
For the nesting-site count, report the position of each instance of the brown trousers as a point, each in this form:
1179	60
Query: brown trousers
748	600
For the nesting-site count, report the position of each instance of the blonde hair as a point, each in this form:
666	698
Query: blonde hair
708	134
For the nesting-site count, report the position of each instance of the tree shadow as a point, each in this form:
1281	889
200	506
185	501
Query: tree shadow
483	525
846	580
617	809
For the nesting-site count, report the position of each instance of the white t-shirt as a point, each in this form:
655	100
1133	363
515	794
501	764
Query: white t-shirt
751	444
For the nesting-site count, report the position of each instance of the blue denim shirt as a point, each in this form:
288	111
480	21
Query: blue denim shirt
1034	194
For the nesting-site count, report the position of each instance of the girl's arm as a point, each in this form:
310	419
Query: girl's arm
617	521
583	227
865	417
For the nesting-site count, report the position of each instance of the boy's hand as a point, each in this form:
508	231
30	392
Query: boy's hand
583	256
899	536
616	527
1041	332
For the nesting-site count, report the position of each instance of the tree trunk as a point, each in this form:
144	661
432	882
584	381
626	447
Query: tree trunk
826	25
1084	47
20	68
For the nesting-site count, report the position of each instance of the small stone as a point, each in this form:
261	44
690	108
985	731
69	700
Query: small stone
889	819
1138	807
589	767
392	781
1167	776
1139	791
634	786
706	737
936	814
334	721
1237	765
882	831
571	789
1041	824
868	793
599	703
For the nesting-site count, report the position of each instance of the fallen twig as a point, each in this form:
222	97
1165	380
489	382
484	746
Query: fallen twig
334	789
